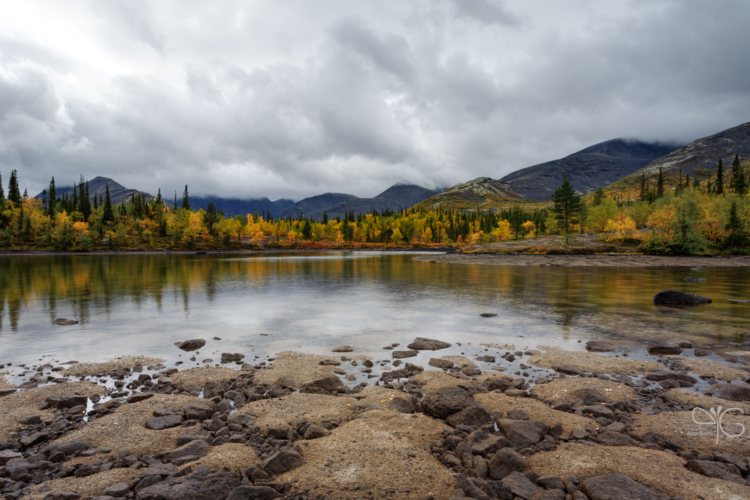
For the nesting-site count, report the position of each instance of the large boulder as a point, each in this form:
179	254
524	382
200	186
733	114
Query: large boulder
190	345
64	401
447	401
719	470
615	486
505	462
195	448
664	348
201	484
732	392
199	410
674	298
281	461
165	422
523	433
474	416
423	344
326	384
600	346
519	485
659	375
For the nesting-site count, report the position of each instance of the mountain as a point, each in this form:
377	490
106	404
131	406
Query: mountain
597	165
98	186
238	206
482	193
407	195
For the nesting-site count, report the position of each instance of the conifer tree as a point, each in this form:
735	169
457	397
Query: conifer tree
325	217
642	195
660	184
209	218
567	206
598	197
738	177
108	216
737	232
720	177
14	194
158	197
52	203
186	199
2	193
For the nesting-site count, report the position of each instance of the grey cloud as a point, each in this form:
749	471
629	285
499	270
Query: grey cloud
485	12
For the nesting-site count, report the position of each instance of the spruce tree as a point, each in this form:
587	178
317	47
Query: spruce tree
687	181
737	236
660	184
642	195
14	194
740	184
2	193
325	217
720	177
185	199
209	218
158	197
598	197
567	206
52	203
108	216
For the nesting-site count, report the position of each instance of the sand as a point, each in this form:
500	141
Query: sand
662	471
383	454
707	402
706	368
285	411
23	403
202	374
537	411
4	383
236	457
90	486
92	369
564	388
297	366
588	361
125	429
586	260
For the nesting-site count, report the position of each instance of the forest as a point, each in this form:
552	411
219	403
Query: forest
673	216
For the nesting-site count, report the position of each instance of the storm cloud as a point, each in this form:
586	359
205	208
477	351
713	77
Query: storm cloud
291	99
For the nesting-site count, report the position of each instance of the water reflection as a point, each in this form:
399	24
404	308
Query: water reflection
123	302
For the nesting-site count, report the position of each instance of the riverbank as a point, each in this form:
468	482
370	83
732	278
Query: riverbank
536	424
140	251
619	260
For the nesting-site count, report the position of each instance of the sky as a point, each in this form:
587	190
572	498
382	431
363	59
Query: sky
292	98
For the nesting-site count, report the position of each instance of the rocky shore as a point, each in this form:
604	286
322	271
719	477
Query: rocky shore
534	424
599	260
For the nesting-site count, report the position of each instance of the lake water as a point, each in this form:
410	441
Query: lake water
259	304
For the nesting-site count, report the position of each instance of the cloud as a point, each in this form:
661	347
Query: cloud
485	12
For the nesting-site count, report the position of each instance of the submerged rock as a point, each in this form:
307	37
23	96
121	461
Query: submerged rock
423	344
600	346
664	348
65	321
674	298
343	348
190	345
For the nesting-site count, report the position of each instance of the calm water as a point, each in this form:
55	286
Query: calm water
261	304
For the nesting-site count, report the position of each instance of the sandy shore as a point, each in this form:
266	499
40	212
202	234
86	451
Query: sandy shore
588	260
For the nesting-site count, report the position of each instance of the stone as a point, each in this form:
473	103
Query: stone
615	486
588	396
343	348
440	363
402	405
137	397
199	410
404	354
486	359
600	346
190	345
447	401
327	384
281	461
674	298
694	279
475	416
471	371
519	485
659	375
553	494
521	433
201	484
715	469
423	344
30	420
253	493
597	411
331	362
65	322
158	469
7	455
505	462
732	392
316	431
664	348
194	448
488	315
610	438
227	357
699	353
550	482
117	491
64	401
684	343
165	422
196	433
66	448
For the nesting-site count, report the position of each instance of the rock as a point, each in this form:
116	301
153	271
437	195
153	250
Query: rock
673	298
664	348
7	455
253	493
281	461
694	279
117	491
659	375
196	433
423	344
517	415
486	359
331	362
402	405
522	433
316	431
597	411
715	469
600	346
684	343
588	396
6	392
199	410
519	485
195	448
158	469
190	345
30	420
404	354
227	357
65	322
610	438
554	494
447	401
505	462
64	495
615	486
33	439
701	353
165	422
490	446
66	448
64	401
343	348
440	363
475	416
137	397
488	315
567	370
661	440
327	384
732	392
550	482
201	484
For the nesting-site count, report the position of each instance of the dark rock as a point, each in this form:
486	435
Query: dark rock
158	469
423	344
66	448
6	392
402	405
664	348
661	440
447	401
615	486
684	343
199	410
522	434
469	490
227	357
694	279
517	415
343	348
63	401
316	431
568	370
716	469
553	494
550	482
475	416
30	420
137	397
191	345
65	322
326	384
486	359
441	363
505	462
196	433
702	352
281	461
195	448
62	495
253	493
471	371
488	315
732	392
166	422
673	298
562	405
597	411
201	484
404	354
520	485
6	455
600	346
117	491
588	396
488	447
330	362
659	375
610	438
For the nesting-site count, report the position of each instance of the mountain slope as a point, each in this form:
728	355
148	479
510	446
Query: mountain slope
407	195
238	206
98	186
597	165
314	204
482	193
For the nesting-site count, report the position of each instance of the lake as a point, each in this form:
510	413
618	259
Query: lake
260	304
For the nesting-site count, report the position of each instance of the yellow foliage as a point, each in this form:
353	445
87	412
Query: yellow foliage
619	228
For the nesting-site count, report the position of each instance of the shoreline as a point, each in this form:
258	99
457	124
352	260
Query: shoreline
623	260
42	253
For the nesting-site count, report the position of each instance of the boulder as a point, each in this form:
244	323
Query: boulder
196	433
474	416
201	484
505	462
281	461
199	410
423	344
659	375
664	348
519	485
195	448
65	322
64	401
719	470
615	486
343	348
402	405
404	354
253	493
523	433
447	401
600	346
611	438
326	384
7	455
117	491
588	396
137	397
165	422
66	448
227	357
440	363
732	392
316	431
597	411
190	345
674	298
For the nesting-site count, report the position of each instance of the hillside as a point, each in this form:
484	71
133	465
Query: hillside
315	204
238	206
482	193
597	165
98	186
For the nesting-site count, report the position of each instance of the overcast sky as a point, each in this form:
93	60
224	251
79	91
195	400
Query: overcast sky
290	98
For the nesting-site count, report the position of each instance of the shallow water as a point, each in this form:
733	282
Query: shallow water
265	303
